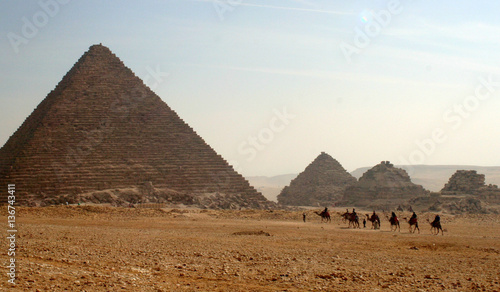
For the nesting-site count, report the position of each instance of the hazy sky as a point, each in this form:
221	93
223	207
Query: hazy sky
271	84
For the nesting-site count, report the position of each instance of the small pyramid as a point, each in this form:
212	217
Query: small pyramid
382	185
103	130
464	182
467	192
321	183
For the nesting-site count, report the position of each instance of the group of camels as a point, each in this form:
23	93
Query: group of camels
353	219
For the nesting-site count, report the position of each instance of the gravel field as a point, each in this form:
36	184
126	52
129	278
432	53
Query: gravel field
92	248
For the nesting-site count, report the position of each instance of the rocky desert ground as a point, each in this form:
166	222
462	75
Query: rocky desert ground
95	248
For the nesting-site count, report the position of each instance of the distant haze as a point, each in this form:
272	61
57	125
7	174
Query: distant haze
271	84
431	177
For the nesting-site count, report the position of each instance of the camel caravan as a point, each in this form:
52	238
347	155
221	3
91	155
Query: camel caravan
352	219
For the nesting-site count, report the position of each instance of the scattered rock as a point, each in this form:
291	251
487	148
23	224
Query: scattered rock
252	233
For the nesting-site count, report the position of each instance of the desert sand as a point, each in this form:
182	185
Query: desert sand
93	248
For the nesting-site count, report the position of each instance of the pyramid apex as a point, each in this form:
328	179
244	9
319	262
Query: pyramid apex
98	48
324	156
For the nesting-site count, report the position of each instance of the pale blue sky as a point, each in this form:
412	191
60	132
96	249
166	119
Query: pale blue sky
233	66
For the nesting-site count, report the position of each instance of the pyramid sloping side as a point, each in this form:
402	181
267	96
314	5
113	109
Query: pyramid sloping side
102	128
322	182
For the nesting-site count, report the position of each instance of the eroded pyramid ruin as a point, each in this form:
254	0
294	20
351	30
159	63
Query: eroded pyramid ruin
465	192
321	183
464	182
383	186
103	136
469	182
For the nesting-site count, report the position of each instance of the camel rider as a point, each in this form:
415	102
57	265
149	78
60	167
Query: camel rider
413	219
394	218
436	219
354	215
325	211
374	217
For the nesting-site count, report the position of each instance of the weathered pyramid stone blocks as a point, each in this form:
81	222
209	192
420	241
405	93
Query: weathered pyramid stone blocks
465	182
102	130
383	186
321	183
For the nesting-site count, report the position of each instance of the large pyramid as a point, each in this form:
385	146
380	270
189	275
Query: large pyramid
383	186
321	183
102	135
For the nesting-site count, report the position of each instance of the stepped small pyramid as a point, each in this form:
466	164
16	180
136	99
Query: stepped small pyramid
102	129
383	186
469	182
464	182
321	183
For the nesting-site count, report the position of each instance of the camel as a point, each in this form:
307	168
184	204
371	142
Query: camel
344	217
435	226
324	216
394	222
413	223
375	220
352	218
